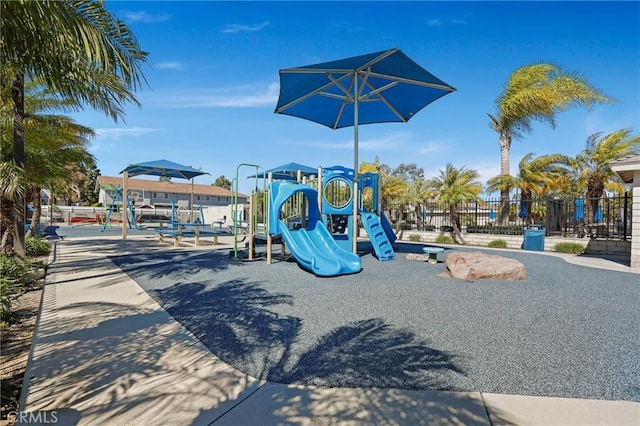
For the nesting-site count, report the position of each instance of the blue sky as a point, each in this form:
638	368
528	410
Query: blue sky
213	80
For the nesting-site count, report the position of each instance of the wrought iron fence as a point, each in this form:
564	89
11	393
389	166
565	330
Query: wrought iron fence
606	217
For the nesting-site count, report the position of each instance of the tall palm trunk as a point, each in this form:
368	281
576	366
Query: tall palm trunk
526	199
6	209
34	192
18	212
595	189
455	222
505	146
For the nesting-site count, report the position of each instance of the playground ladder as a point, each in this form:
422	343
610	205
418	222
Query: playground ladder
378	237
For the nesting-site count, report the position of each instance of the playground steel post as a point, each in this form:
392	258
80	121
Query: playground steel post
123	212
266	221
235	206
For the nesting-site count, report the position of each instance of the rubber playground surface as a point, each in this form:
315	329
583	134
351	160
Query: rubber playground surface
567	331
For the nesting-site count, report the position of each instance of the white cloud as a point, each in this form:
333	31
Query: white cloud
172	65
234	97
142	16
109	138
345	27
389	142
437	22
398	141
240	28
432	147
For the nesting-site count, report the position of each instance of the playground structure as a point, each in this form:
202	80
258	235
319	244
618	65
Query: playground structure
172	226
313	217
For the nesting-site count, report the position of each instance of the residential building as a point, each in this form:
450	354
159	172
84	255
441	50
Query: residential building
158	194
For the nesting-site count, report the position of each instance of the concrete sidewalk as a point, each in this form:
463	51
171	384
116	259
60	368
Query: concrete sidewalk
104	352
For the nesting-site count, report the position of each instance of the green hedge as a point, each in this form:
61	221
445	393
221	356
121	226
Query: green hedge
573	248
496	229
497	244
444	239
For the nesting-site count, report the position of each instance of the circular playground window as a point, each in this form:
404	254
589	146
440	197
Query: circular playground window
337	192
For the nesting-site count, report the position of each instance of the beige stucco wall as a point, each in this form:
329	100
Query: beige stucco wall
635	224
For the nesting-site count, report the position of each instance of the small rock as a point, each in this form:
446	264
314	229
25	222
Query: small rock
418	257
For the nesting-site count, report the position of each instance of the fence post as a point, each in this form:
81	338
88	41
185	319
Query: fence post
624	216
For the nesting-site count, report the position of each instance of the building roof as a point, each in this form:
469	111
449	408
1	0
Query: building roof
168	187
626	166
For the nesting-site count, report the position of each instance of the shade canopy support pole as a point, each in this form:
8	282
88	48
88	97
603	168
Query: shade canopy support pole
355	163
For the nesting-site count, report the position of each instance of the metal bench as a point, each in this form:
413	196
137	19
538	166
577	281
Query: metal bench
434	253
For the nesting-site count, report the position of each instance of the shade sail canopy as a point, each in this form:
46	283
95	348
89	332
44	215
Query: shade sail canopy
163	168
390	88
287	171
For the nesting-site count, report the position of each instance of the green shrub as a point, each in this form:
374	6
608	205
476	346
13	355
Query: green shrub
415	237
444	239
9	291
12	270
11	267
573	248
37	247
497	244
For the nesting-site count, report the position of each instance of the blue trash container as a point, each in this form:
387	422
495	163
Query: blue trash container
533	240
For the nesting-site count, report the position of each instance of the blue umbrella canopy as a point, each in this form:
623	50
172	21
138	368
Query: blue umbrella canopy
390	87
163	168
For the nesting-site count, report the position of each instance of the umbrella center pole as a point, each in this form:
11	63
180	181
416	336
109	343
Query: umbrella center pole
356	96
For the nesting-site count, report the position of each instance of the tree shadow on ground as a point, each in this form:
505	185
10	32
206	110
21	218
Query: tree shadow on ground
160	264
234	321
371	353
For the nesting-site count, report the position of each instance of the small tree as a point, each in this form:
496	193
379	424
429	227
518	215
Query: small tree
452	187
222	182
592	164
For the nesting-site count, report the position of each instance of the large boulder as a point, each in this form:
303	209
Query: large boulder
471	266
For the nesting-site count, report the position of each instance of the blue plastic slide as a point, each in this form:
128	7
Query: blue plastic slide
312	246
387	228
379	239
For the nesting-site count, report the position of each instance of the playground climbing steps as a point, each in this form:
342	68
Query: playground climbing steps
378	236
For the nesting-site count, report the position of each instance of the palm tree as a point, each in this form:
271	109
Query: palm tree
594	175
452	187
536	177
56	144
51	161
80	51
535	92
11	189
